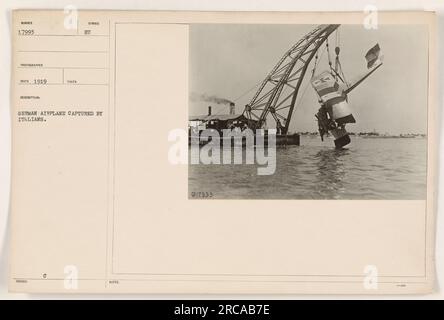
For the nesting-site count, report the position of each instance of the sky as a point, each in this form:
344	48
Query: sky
228	60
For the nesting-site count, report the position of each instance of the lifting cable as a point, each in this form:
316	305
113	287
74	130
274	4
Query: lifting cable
317	58
338	67
248	91
328	53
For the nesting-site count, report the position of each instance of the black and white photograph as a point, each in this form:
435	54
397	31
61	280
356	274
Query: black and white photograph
230	152
332	111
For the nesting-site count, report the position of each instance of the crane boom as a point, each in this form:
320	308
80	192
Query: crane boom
278	92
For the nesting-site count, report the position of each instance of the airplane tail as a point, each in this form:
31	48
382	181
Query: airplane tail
374	61
373	56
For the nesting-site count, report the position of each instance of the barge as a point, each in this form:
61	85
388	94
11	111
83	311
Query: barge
205	128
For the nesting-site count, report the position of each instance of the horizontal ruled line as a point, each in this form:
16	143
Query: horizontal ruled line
42	67
220	280
63	84
62	51
65	35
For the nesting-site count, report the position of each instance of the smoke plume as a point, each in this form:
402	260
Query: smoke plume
208	98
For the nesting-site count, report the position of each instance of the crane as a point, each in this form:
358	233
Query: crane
279	91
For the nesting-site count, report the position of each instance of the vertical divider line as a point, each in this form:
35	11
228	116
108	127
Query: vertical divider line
108	157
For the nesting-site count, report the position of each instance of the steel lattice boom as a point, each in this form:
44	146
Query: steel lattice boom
278	92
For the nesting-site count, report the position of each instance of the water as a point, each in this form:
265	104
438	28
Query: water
370	168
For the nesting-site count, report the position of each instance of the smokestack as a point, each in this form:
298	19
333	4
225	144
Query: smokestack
232	108
209	110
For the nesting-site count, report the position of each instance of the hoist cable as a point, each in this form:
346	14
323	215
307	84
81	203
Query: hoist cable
248	91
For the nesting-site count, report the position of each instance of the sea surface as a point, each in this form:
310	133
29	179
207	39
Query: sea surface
368	168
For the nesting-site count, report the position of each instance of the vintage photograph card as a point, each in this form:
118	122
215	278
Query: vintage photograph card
223	152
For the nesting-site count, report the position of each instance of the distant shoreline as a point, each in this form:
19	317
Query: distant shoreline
374	135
